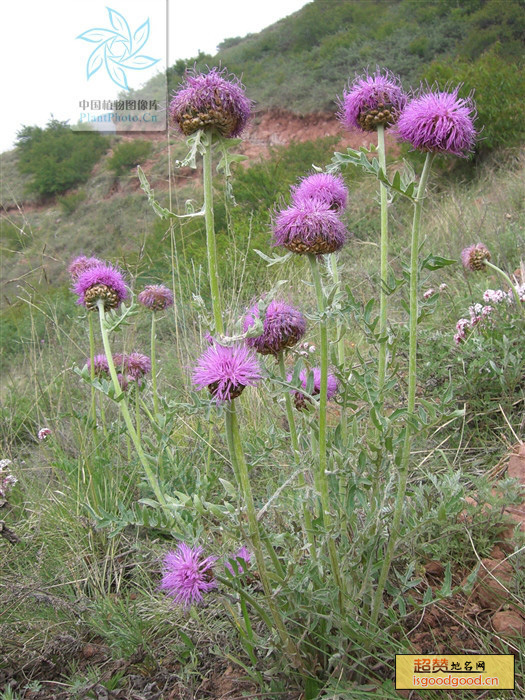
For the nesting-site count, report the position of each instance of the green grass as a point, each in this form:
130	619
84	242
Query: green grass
68	584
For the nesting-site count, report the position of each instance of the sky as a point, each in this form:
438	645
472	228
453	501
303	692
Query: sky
44	64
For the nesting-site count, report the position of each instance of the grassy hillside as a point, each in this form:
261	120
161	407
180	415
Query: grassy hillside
303	61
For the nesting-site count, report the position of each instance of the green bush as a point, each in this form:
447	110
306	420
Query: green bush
69	202
57	157
127	155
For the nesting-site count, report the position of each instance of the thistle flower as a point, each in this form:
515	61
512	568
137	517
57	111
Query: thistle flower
328	189
103	282
440	122
137	366
187	575
309	227
100	364
473	257
372	100
226	371
43	433
300	399
283	327
213	100
245	555
80	264
156	297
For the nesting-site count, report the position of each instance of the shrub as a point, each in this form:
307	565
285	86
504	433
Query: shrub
127	155
57	157
70	202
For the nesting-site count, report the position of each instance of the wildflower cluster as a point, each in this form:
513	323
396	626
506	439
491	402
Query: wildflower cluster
132	366
7	480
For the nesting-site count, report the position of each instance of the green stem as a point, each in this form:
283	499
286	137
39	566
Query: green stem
137	412
92	368
411	400
237	456
125	410
210	233
519	303
383	299
154	364
334	269
321	475
297	459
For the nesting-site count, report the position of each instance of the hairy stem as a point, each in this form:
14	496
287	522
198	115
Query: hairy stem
154	364
237	456
210	234
297	458
322	479
125	410
411	400
383	298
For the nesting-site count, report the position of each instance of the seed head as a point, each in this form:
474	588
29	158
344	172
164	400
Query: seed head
309	227
473	257
212	101
101	282
372	100
156	297
283	327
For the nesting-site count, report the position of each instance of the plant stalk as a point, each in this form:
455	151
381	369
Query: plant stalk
297	458
125	411
154	364
210	233
411	399
241	470
321	474
383	298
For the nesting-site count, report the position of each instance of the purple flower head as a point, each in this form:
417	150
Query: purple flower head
283	327
187	575
372	100
156	297
80	264
226	371
300	399
440	122
100	363
103	282
213	100
329	189
137	365
473	257
309	227
245	555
